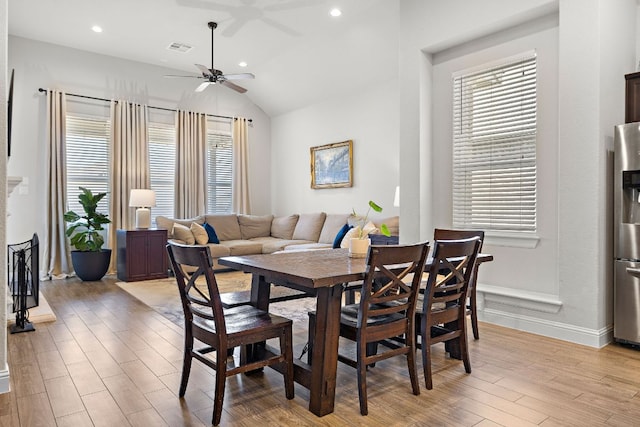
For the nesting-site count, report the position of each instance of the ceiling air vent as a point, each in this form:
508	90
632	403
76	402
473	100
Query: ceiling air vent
179	47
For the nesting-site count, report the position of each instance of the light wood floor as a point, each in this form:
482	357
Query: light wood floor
110	360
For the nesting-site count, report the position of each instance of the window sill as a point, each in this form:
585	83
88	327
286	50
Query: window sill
512	240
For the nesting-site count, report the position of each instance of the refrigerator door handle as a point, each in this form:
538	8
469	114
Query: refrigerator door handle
634	271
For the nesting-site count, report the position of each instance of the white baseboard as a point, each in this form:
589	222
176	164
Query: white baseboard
562	331
5	384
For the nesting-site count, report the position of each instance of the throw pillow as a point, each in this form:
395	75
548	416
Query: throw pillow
346	240
199	233
211	233
343	231
182	232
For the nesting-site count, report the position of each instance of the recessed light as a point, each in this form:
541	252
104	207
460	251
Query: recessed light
242	64
96	29
335	12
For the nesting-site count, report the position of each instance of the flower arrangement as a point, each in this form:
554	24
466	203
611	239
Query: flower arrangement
363	230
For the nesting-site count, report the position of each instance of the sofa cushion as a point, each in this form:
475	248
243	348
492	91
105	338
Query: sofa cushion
309	226
166	223
182	232
393	223
226	226
273	244
218	251
199	234
211	233
332	225
255	226
282	226
307	247
242	247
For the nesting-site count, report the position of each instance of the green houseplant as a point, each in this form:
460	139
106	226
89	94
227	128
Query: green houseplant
90	260
359	245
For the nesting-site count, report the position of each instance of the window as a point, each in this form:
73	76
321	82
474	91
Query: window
494	146
219	171
87	159
162	165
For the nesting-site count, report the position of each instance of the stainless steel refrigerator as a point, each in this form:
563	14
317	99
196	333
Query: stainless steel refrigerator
626	309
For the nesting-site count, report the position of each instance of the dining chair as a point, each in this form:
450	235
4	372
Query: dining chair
446	234
221	330
442	309
388	298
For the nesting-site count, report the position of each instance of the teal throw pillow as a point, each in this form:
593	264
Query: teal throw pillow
211	232
340	235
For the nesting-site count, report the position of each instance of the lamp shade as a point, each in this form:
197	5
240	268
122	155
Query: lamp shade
142	198
396	198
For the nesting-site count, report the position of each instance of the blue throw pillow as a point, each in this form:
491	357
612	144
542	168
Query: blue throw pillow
340	235
211	232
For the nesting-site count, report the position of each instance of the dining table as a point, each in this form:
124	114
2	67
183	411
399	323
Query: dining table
324	274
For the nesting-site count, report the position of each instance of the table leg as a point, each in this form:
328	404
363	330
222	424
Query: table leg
260	290
324	363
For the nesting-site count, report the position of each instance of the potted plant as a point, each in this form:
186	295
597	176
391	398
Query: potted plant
90	261
359	245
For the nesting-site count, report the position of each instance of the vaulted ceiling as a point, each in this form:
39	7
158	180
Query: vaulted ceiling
298	52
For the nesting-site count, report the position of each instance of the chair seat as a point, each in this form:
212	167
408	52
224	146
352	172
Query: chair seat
243	318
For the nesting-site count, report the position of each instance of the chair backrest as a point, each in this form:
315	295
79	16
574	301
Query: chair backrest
386	290
446	290
449	234
200	301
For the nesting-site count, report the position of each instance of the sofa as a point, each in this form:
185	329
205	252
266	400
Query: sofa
237	234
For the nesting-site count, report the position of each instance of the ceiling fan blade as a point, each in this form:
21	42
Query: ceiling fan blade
239	76
233	86
203	86
171	76
204	70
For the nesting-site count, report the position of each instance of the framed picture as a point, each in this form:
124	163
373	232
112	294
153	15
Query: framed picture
332	165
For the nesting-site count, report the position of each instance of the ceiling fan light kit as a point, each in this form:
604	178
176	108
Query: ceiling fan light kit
213	76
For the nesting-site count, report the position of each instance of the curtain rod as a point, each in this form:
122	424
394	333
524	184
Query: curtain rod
149	106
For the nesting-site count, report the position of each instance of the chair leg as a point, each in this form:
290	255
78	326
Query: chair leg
362	380
186	364
286	347
221	379
426	359
464	350
474	314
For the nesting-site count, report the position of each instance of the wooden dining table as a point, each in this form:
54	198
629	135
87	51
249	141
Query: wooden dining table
320	273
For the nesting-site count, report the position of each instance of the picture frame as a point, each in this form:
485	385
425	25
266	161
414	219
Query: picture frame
332	165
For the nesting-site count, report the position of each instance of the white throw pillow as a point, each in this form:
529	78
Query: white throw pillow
199	234
355	231
182	232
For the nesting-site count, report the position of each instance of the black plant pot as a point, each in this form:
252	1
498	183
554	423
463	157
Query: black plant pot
91	266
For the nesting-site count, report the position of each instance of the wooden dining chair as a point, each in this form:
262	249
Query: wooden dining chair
446	234
442	308
221	330
388	298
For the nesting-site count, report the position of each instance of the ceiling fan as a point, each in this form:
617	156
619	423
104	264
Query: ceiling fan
213	76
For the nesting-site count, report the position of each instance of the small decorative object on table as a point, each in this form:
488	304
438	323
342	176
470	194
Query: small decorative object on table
359	245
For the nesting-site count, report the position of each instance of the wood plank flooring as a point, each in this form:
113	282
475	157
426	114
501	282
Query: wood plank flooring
109	360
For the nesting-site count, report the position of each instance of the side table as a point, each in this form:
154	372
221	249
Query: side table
141	254
381	239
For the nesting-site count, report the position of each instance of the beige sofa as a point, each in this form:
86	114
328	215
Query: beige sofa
253	234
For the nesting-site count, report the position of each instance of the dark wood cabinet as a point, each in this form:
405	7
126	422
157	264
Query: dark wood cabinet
632	98
141	254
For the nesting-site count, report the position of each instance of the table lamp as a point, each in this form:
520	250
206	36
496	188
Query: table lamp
142	199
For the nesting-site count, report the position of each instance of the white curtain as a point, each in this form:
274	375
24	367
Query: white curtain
191	164
129	160
57	256
240	185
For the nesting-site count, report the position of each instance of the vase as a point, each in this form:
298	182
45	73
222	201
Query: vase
359	248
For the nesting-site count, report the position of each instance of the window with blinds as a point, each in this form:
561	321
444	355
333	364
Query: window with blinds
162	165
87	159
219	171
494	146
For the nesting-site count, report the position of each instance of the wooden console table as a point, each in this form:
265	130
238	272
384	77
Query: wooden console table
141	254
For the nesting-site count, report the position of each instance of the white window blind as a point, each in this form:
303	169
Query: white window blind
219	171
87	147
494	147
162	159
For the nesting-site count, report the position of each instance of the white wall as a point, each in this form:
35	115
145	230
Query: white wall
369	119
562	288
41	65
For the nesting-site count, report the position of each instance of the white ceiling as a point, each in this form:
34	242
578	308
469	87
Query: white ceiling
299	54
